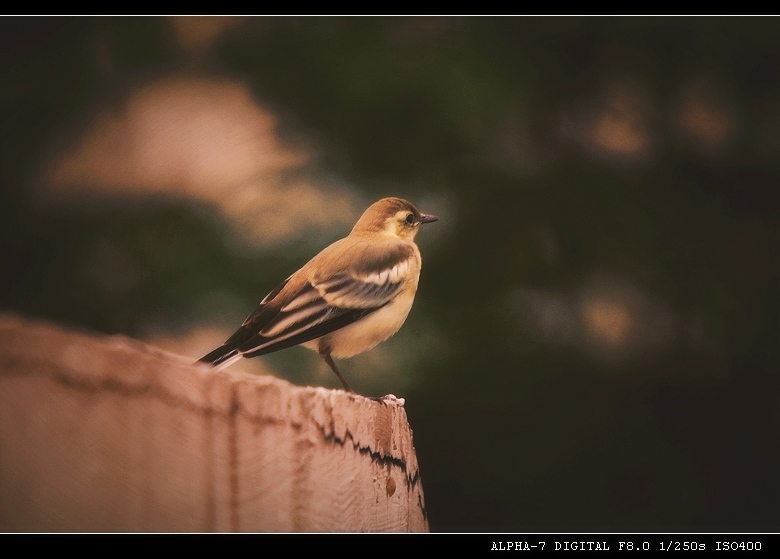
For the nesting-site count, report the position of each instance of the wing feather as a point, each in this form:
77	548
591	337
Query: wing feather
320	306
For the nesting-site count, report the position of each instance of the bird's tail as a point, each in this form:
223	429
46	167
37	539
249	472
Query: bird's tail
223	356
228	352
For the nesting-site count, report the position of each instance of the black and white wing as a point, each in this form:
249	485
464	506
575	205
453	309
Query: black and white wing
317	307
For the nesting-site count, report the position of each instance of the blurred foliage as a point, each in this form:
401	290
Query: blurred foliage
510	124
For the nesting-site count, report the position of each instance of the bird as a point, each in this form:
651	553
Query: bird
353	295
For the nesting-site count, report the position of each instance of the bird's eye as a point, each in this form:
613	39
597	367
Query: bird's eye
410	219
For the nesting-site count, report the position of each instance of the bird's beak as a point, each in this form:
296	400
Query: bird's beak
424	218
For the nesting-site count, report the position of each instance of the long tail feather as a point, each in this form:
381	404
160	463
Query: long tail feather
223	355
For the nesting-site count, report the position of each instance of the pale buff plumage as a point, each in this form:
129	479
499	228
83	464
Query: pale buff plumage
353	295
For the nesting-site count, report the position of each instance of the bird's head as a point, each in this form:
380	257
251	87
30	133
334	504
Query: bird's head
394	217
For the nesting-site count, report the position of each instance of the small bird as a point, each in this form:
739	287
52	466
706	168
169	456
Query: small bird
353	295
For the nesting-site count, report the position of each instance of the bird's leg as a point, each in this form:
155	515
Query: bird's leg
325	354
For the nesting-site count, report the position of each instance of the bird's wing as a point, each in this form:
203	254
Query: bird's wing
299	311
327	302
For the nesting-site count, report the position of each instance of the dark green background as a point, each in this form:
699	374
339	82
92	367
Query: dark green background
514	431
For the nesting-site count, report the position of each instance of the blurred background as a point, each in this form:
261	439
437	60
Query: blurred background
595	341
